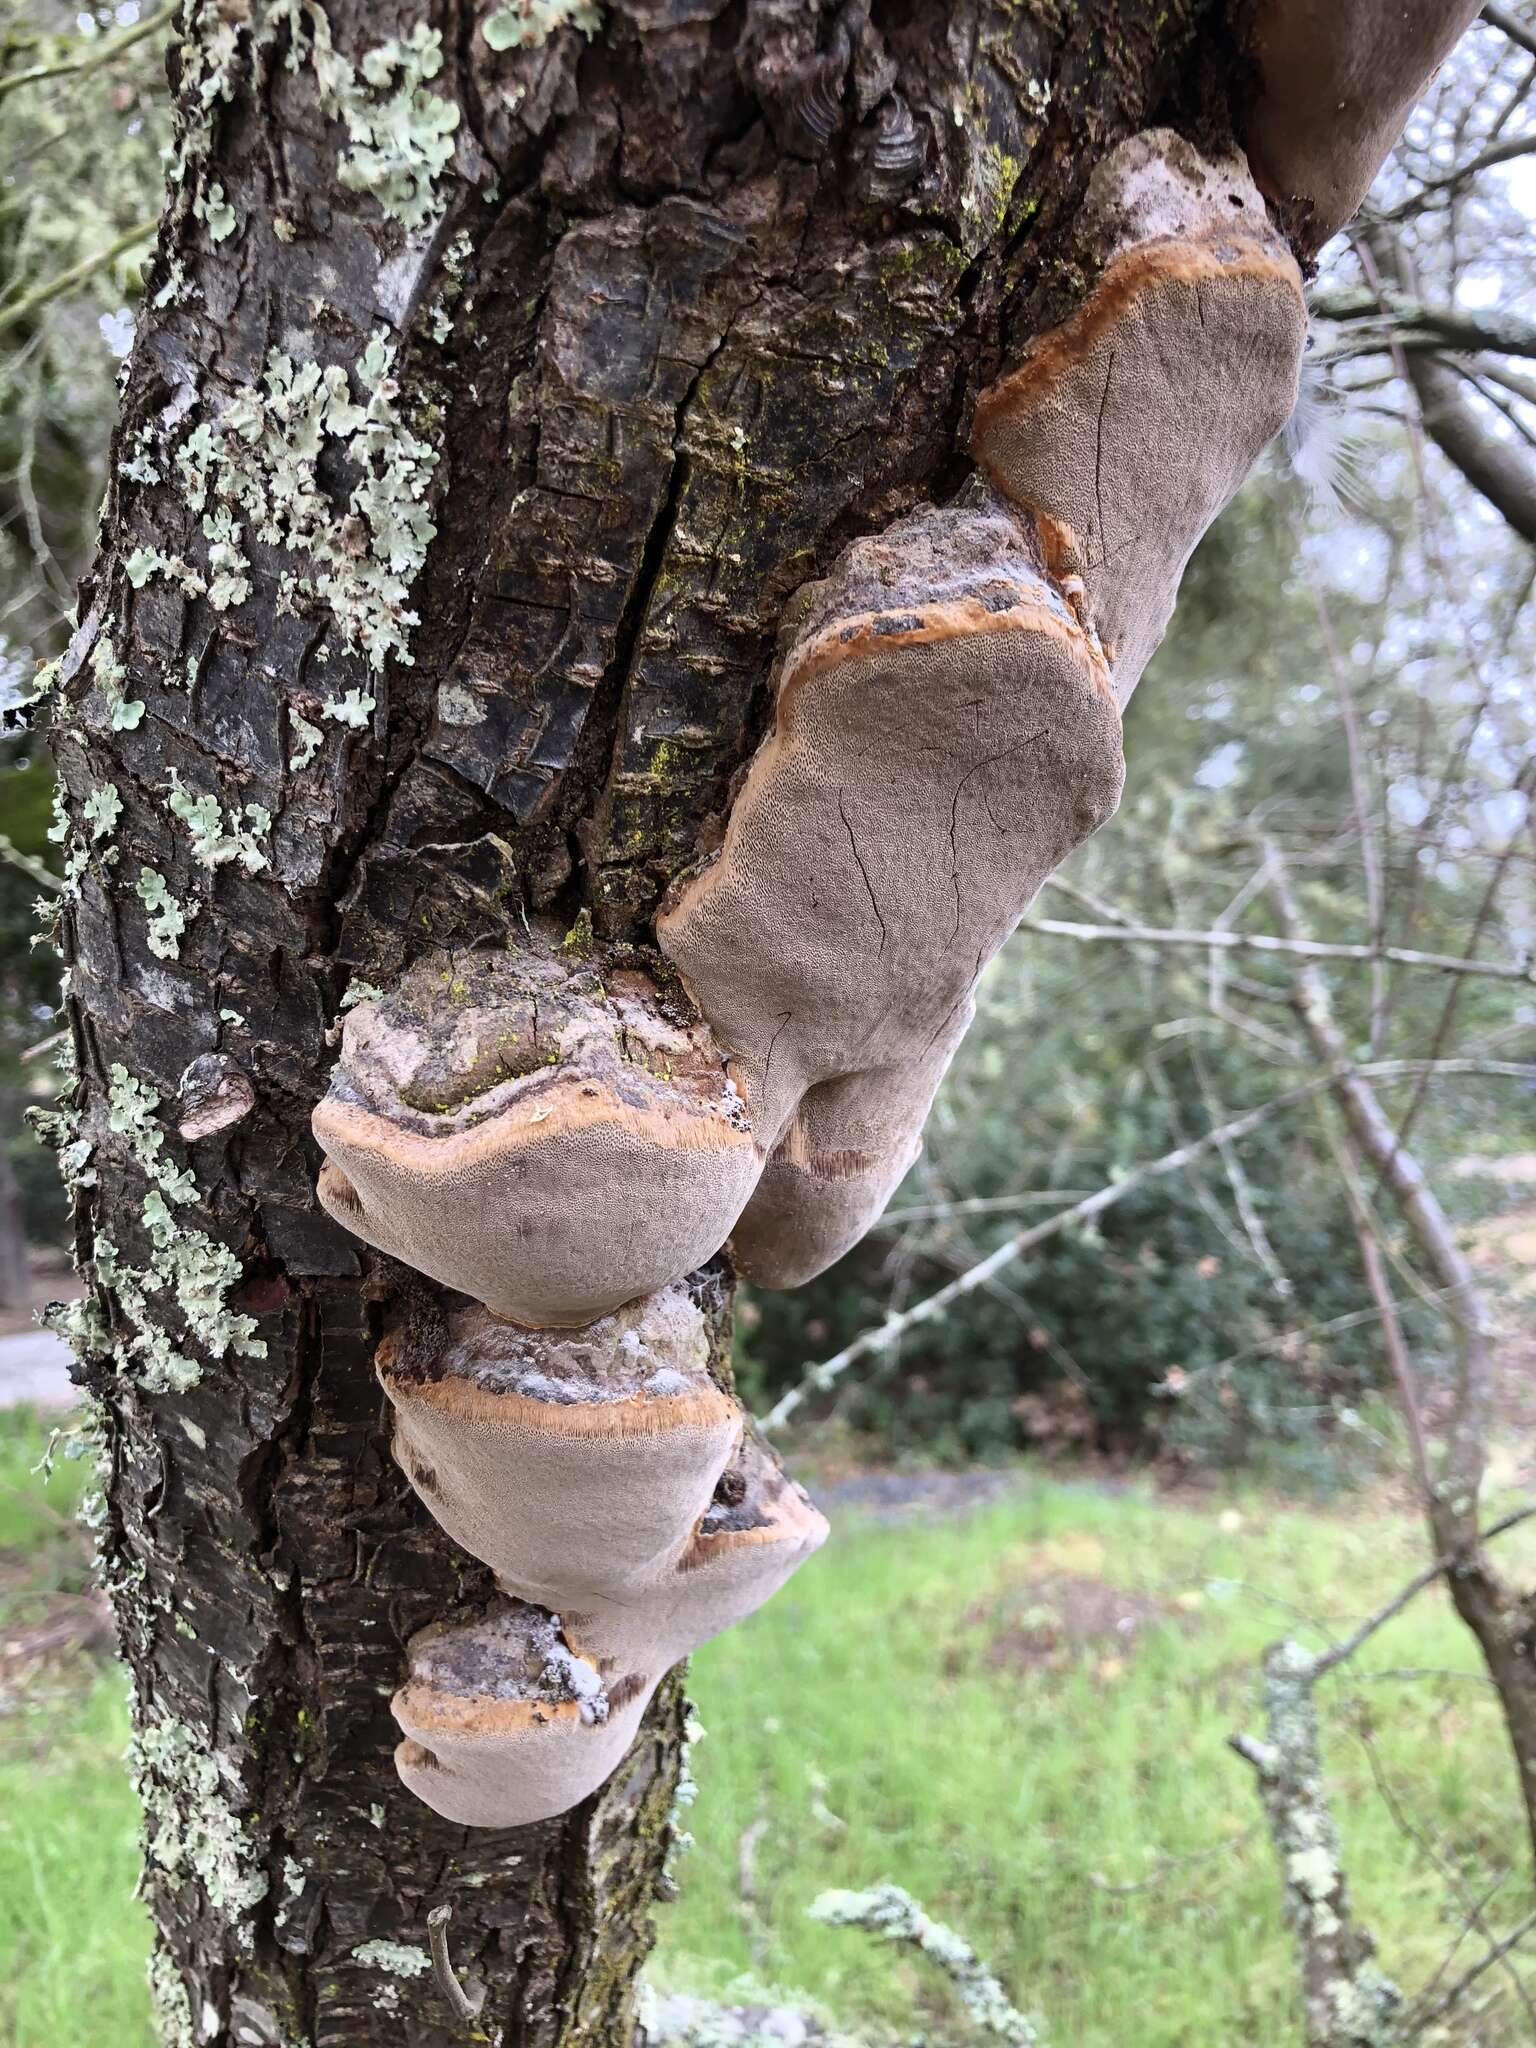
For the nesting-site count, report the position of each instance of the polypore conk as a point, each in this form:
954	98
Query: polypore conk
1334	86
608	1481
538	1138
945	734
1129	427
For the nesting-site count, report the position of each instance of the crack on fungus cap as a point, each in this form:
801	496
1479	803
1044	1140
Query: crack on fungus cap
1130	426
944	735
622	1499
532	1134
1334	86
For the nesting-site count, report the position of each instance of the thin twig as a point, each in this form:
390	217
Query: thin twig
1468	1978
1270	942
93	59
932	1306
459	2002
77	274
1406	1595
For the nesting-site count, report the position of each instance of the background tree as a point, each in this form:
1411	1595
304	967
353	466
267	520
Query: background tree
631	336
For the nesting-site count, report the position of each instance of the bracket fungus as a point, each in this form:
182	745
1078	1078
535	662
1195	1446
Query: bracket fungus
564	1145
1333	87
1129	427
945	735
535	1137
628	1512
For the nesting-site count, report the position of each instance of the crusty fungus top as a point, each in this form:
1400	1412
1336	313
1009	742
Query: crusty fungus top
629	1513
533	1135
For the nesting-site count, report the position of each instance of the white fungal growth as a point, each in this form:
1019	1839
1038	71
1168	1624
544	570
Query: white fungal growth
194	1828
307	741
894	1915
394	1958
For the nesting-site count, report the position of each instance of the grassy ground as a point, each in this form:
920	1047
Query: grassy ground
1019	1713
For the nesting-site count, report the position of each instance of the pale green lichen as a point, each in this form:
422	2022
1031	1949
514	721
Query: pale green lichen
167	919
355	708
400	135
144	563
261	459
169	2003
123	713
528	23
218	837
194	1269
214	209
102	809
307	741
208	54
194	1827
394	1958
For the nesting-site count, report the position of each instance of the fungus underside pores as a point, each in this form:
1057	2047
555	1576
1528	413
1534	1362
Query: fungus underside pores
563	1140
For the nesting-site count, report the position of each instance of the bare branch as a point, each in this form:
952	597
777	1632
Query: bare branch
66	281
92	58
1417	325
932	1306
1508	23
1268	942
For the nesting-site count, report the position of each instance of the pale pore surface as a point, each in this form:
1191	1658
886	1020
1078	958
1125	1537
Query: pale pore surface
532	1136
1336	84
944	737
609	1484
1133	423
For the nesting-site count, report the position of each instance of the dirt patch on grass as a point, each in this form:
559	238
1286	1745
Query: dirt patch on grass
1062	1619
55	1632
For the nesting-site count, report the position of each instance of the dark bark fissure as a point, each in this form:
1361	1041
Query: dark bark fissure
702	334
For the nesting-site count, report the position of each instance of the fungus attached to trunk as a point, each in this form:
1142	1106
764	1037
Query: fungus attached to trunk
1129	427
946	726
536	1137
945	735
1333	86
629	1514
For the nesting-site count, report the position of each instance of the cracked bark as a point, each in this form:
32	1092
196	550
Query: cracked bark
700	331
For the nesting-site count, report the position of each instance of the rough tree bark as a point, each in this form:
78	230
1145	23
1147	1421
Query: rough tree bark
627	335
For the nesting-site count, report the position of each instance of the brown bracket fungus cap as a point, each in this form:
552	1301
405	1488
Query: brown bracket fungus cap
1130	426
533	1136
1335	83
623	1503
945	734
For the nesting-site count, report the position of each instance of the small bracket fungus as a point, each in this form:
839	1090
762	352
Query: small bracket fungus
945	735
533	1136
1129	427
628	1513
1334	86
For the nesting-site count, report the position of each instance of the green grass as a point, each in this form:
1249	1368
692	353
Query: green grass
872	1719
1008	1800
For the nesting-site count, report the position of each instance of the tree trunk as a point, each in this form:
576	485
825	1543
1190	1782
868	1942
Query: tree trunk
650	325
